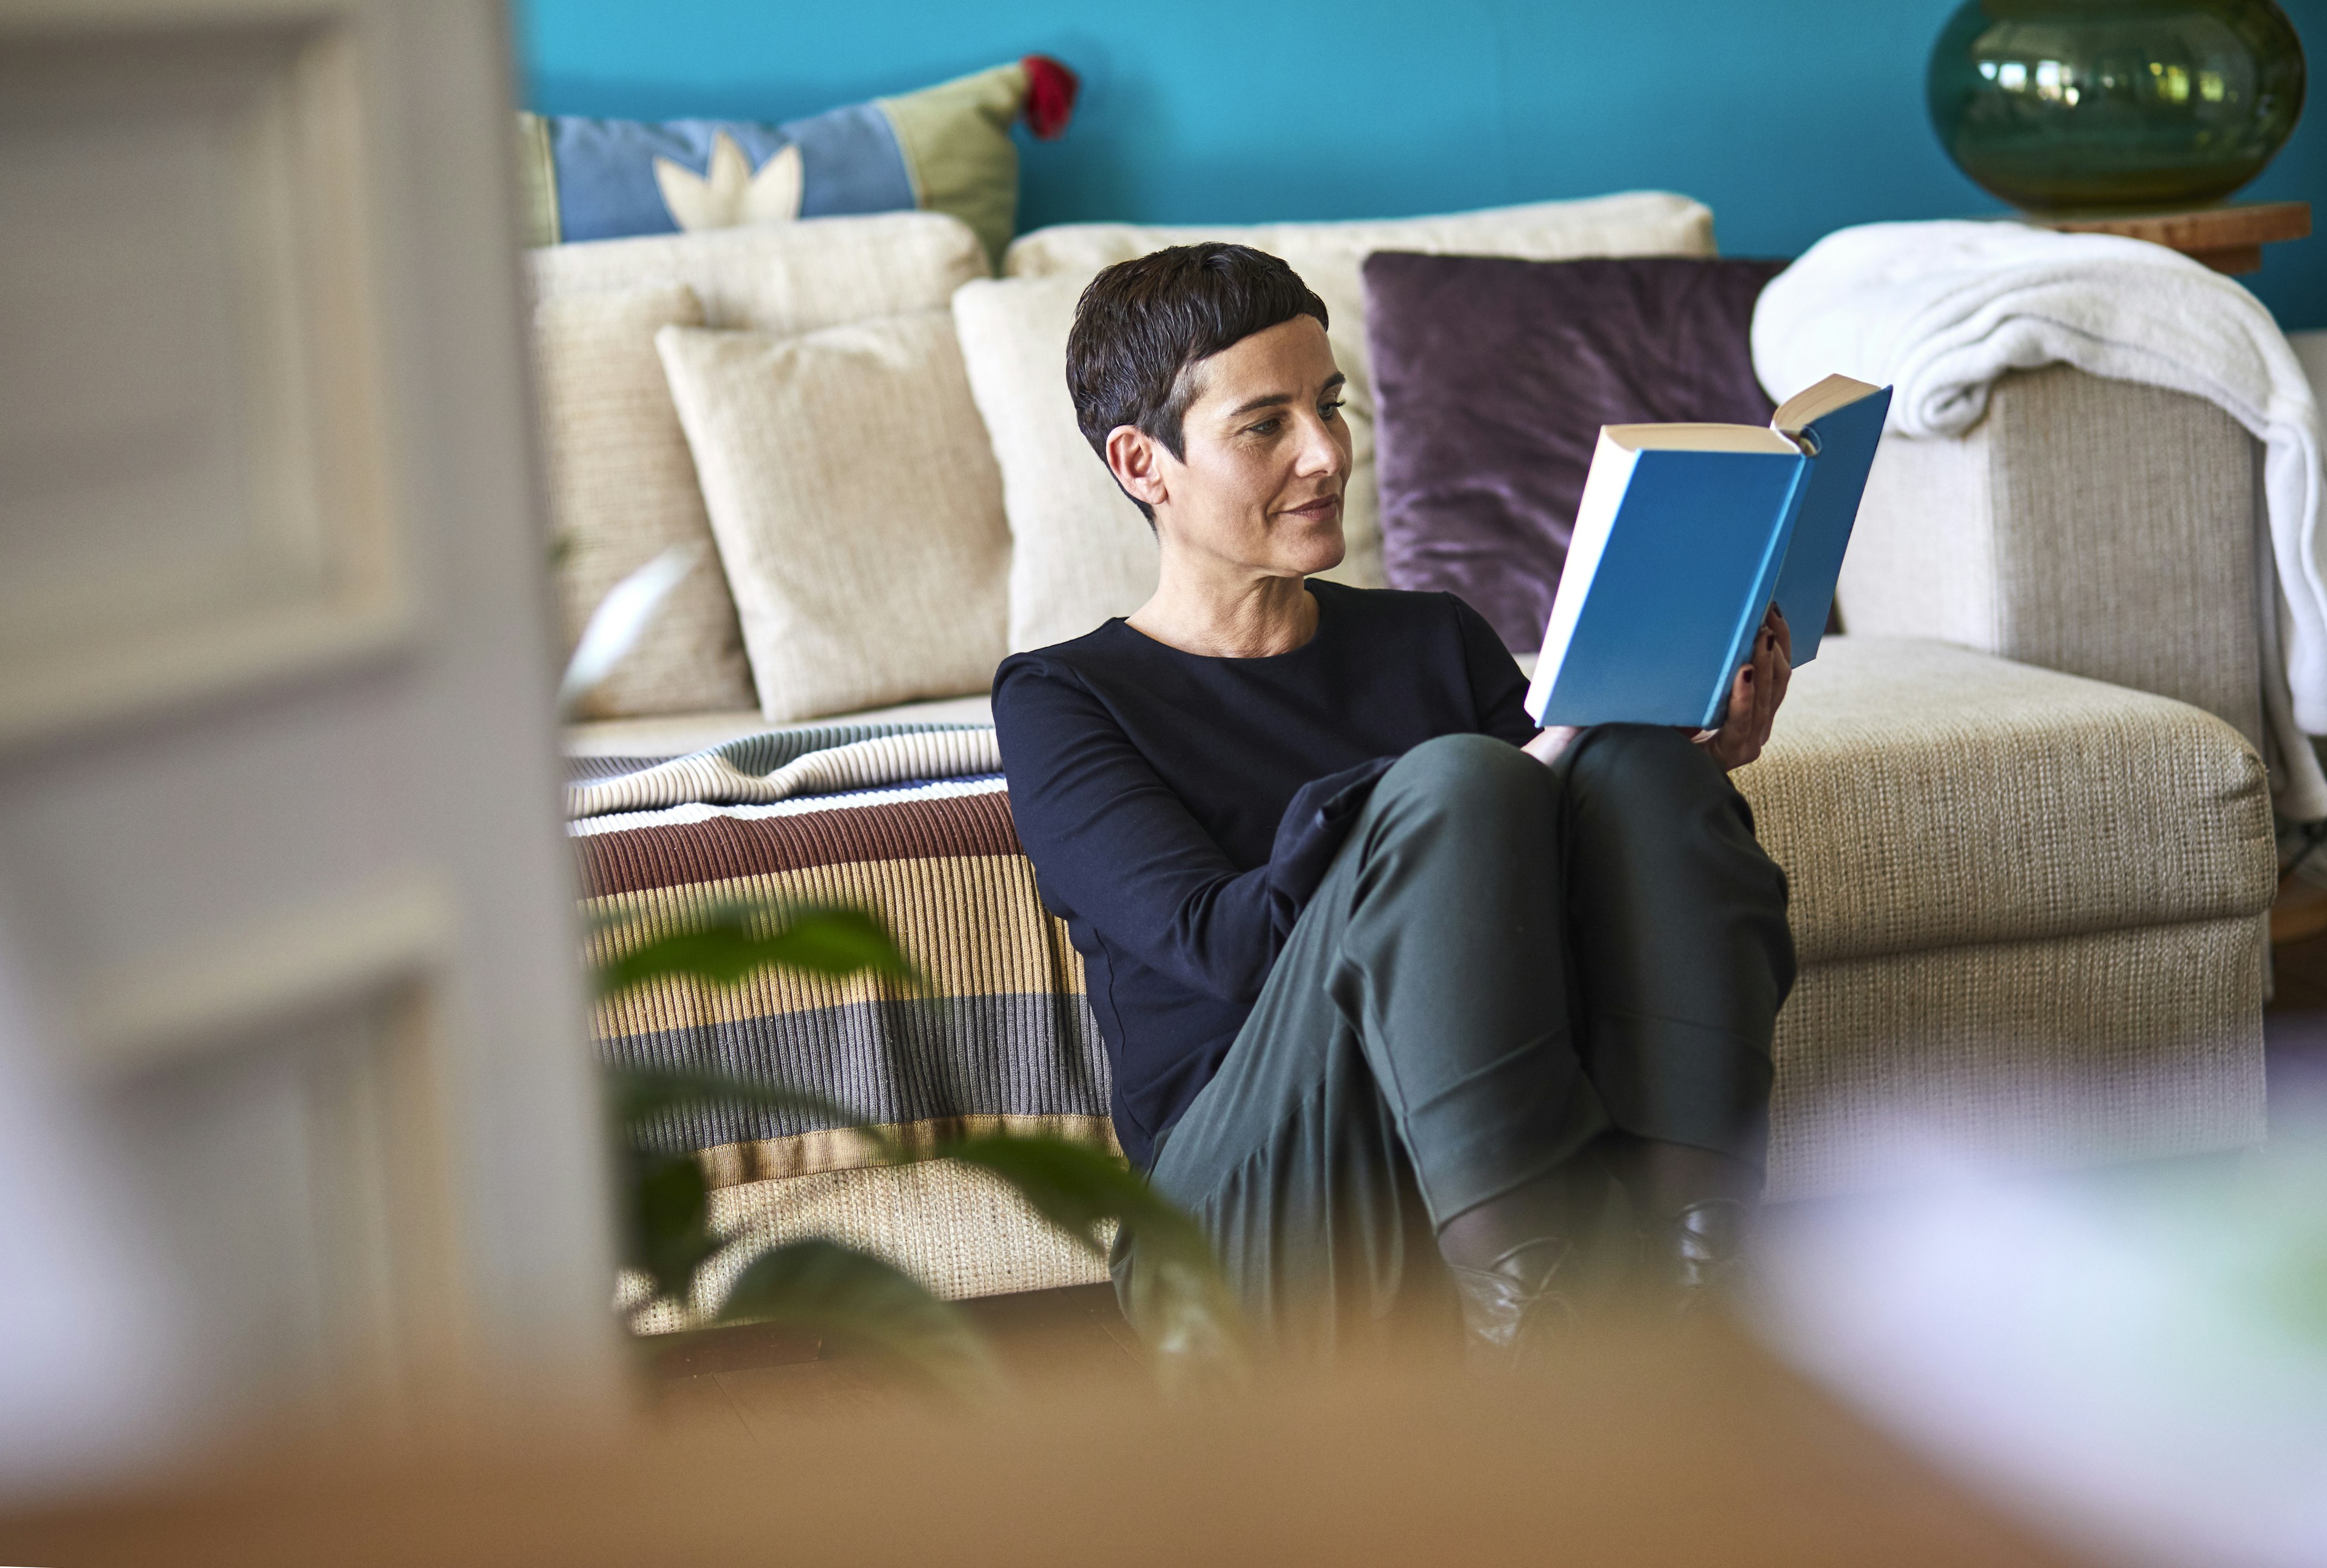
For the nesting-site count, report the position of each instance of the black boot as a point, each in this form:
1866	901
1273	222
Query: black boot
1517	1309
1694	1258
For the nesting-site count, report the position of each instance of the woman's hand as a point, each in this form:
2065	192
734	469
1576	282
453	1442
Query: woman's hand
1549	743
1754	696
1754	699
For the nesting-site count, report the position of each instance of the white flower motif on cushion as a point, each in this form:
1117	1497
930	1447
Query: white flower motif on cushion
729	193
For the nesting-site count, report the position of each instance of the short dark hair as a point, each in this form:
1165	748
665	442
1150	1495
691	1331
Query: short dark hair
1142	324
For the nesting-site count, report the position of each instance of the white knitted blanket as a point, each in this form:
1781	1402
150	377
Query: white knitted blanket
1940	311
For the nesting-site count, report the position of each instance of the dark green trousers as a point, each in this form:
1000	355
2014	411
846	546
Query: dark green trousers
1506	961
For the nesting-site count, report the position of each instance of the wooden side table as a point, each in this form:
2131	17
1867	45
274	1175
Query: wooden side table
2226	238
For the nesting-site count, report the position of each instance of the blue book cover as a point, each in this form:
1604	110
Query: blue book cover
1685	536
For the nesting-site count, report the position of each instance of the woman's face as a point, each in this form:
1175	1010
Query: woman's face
1267	453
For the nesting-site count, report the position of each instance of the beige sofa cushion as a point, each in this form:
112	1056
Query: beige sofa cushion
622	487
1080	552
856	506
1921	796
781	277
1084	552
1328	256
621	484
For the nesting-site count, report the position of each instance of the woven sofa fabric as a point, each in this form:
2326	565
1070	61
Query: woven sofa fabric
1492	376
1001	1037
961	1233
946	148
1923	796
857	508
786	277
622	490
956	1230
2141	1043
1992	540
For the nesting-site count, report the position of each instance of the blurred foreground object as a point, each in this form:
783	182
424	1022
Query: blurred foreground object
2139	1363
1632	1453
277	767
87	1353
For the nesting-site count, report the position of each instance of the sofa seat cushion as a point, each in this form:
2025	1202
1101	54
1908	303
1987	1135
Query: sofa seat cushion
1920	795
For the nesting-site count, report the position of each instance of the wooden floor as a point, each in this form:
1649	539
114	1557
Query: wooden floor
746	1384
751	1382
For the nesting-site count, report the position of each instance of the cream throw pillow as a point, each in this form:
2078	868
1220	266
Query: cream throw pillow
621	490
1079	550
857	508
1329	256
620	476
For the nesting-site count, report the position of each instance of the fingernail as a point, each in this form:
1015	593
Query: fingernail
1749	678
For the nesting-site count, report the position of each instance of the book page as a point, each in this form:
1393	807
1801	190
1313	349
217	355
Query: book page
1812	404
1595	515
1695	438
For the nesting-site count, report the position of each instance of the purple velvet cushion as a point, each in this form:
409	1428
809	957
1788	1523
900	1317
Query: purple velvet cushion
1491	381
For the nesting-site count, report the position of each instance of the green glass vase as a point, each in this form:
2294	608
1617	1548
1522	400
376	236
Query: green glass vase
2119	106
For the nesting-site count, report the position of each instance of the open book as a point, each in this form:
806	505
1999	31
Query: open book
1685	536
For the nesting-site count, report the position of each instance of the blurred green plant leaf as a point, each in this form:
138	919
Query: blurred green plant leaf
669	1228
641	1094
1178	1298
623	617
729	946
855	1298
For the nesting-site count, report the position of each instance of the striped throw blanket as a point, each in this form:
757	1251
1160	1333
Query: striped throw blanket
911	823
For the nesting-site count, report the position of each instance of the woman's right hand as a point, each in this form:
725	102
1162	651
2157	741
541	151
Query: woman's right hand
1547	745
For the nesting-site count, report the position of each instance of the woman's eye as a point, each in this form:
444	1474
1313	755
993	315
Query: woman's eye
1265	427
1329	410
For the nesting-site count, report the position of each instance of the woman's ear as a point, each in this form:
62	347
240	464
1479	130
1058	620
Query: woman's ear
1137	461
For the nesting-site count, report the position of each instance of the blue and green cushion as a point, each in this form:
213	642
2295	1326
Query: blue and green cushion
944	149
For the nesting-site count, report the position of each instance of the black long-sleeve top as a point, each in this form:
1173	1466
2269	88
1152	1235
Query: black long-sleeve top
1181	810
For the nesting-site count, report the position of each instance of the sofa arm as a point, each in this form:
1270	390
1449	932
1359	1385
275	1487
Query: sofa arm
2096	527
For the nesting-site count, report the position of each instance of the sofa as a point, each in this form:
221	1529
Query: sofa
2019	800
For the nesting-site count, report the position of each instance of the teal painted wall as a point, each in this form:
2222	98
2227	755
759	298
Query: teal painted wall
1788	118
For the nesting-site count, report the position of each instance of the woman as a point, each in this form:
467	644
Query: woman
1388	978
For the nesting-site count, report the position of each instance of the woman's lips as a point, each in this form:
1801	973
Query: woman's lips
1323	506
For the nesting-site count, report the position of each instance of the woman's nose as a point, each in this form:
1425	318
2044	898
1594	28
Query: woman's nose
1322	451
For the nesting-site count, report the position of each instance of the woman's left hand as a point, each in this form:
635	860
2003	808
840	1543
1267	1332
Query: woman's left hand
1754	696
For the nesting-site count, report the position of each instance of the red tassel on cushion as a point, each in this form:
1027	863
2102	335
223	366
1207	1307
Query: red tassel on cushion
1051	89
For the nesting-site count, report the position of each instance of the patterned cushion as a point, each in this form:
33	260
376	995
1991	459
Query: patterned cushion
946	149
